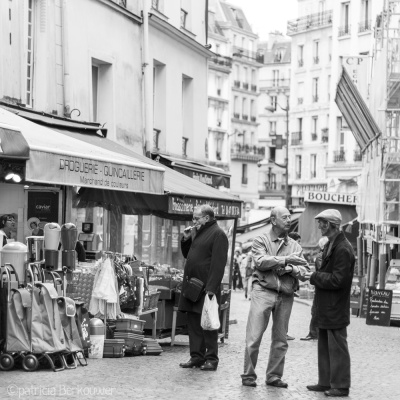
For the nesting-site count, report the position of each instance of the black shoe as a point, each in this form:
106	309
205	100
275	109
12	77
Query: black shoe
288	337
191	364
208	366
318	388
309	337
337	392
249	382
278	383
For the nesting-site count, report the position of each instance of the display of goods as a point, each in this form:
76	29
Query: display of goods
82	287
114	348
127	324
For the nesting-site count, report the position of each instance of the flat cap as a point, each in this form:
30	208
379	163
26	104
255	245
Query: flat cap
330	215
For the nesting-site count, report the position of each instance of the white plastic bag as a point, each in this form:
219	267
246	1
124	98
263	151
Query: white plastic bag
209	315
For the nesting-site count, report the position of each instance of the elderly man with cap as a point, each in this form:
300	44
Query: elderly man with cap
332	303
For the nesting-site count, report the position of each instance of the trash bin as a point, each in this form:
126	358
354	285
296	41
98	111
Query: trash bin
96	328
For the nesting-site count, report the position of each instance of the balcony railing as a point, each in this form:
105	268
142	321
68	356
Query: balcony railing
315	98
254	88
325	135
247	152
277	83
357	155
300	62
298	175
253	119
344	30
339	156
364	26
245	117
316	60
236	115
252	55
245	85
297	138
308	22
300	100
222	61
156	138
236	84
314	136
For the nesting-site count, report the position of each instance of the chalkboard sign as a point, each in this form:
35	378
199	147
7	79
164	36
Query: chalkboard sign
379	307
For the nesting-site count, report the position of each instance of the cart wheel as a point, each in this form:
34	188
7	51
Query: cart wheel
30	363
6	362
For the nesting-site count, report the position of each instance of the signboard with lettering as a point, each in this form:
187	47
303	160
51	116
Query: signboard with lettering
334	198
299	190
186	205
43	207
379	307
215	180
357	68
76	171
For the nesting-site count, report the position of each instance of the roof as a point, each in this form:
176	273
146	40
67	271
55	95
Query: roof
235	16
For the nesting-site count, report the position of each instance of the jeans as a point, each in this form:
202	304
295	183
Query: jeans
263	303
333	358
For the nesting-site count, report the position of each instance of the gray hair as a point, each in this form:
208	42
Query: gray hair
206	209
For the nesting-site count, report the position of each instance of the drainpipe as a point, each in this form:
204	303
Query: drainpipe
147	78
66	82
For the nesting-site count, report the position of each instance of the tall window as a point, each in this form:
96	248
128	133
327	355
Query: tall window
274	102
314	128
315	90
298	167
95	89
236	106
184	15
316	51
313	166
155	4
272	128
244	174
275	77
29	56
344	29
300	54
237	73
244	109
245	72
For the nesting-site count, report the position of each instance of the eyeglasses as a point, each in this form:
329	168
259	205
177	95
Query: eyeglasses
197	218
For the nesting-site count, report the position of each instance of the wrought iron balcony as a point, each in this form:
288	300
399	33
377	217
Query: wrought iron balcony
247	152
314	136
252	55
236	115
245	117
311	21
344	30
254	88
277	83
316	60
315	98
253	119
236	84
222	61
364	26
297	138
325	135
339	156
300	62
245	85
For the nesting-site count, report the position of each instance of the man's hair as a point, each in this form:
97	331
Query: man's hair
275	211
294	235
206	209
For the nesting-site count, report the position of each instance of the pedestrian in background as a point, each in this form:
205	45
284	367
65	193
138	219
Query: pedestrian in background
236	276
313	331
332	304
205	247
278	266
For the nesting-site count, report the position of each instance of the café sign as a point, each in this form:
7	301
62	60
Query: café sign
333	198
186	206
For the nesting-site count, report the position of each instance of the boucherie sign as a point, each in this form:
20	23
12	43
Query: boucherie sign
333	198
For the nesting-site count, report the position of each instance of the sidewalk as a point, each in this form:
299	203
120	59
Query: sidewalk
375	353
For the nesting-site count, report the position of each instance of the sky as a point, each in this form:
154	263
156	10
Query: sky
266	16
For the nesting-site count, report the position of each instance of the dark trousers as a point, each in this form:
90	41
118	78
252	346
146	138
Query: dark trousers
203	344
333	358
313	323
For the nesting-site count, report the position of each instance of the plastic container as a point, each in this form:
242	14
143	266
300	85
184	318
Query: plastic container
52	232
16	254
114	348
126	324
35	246
96	328
69	236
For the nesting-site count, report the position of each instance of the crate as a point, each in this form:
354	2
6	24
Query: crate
150	300
114	348
128	324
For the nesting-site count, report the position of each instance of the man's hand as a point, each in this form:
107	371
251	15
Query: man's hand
295	259
286	270
307	275
187	233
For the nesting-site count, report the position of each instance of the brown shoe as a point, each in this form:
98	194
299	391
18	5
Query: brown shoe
337	392
318	388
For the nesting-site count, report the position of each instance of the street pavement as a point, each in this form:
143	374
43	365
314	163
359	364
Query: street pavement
375	354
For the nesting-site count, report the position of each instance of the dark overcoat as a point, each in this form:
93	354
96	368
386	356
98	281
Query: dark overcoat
206	255
333	284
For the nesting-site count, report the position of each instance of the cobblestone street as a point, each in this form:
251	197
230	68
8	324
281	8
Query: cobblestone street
375	353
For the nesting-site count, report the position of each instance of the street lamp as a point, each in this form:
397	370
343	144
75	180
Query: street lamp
286	165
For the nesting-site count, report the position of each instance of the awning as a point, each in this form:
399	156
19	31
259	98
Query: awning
211	176
12	143
356	112
308	227
57	159
182	193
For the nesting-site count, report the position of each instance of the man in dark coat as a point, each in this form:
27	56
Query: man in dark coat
332	306
205	247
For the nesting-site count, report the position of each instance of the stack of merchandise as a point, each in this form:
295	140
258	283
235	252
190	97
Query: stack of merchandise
131	331
152	347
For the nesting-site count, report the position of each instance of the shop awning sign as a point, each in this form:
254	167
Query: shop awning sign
333	198
186	206
77	171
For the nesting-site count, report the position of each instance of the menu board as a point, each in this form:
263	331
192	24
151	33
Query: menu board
379	307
